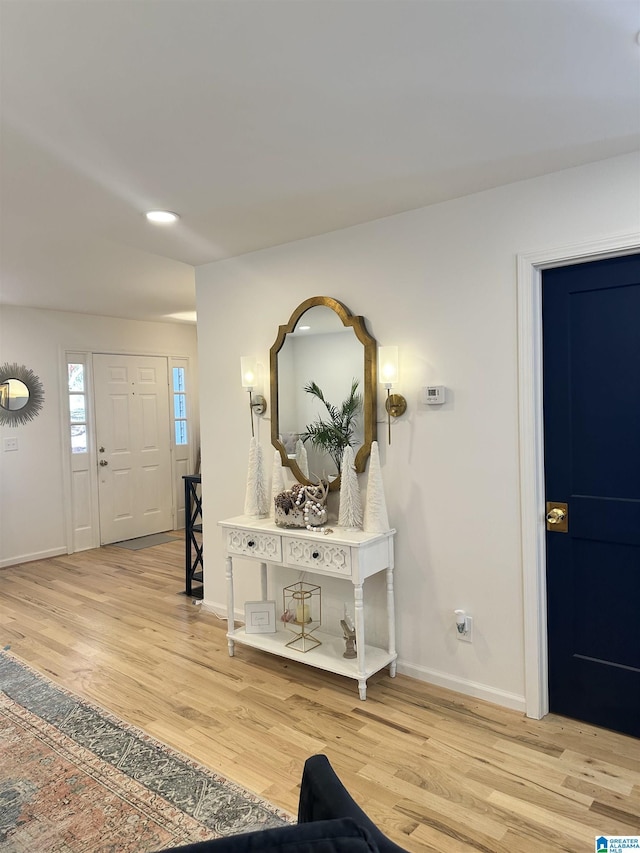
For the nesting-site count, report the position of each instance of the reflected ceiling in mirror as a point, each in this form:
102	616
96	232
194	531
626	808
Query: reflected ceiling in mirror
323	390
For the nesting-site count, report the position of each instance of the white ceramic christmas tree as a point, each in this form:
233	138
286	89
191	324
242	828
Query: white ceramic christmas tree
277	480
375	512
301	458
255	501
350	514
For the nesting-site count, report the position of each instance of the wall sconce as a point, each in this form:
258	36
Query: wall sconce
395	404
249	370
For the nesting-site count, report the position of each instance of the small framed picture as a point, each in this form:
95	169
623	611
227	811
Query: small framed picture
260	617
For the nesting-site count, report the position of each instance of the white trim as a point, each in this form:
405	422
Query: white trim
219	610
176	481
93	449
86	357
65	451
529	284
463	685
29	558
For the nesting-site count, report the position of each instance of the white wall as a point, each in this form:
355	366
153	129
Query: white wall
439	282
32	511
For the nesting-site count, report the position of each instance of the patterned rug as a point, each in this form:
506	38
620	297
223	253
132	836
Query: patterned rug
76	779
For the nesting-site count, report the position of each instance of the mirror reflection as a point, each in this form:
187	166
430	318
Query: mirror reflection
14	395
313	393
321	390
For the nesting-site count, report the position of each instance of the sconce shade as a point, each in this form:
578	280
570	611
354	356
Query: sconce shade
395	404
388	366
249	370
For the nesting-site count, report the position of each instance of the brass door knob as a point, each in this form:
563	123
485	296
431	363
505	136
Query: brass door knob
103	462
557	516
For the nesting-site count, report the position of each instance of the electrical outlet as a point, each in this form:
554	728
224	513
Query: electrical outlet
467	636
10	444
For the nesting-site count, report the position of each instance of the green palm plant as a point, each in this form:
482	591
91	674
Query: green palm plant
333	435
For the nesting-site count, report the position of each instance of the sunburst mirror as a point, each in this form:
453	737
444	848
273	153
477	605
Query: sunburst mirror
21	394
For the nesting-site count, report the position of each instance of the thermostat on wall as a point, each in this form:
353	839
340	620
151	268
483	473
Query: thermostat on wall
434	395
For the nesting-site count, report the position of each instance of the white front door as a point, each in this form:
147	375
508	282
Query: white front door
133	442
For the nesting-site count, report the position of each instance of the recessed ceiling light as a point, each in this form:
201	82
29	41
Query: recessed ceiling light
163	217
304	328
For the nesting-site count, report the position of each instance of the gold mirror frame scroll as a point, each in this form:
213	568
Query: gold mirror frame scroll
369	402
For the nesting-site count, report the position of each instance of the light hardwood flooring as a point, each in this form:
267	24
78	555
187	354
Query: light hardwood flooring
435	770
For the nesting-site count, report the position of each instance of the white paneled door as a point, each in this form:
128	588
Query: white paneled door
133	442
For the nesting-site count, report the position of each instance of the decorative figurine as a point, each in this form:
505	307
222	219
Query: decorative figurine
350	640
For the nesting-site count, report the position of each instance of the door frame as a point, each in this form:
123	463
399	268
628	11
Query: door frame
531	453
177	495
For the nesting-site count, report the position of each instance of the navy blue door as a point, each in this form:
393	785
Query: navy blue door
591	322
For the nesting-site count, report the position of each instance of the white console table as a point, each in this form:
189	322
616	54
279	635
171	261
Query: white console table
349	554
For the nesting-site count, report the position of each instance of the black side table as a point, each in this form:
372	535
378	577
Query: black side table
194	565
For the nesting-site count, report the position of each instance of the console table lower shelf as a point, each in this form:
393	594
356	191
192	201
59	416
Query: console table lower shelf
327	656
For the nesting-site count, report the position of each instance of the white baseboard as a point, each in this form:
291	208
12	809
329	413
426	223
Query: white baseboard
29	558
464	685
219	611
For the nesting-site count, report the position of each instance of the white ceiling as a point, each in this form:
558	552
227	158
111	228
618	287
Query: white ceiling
265	121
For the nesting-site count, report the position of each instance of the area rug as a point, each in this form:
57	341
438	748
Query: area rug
76	779
145	541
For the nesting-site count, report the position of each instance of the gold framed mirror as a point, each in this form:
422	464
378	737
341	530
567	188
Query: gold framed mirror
323	390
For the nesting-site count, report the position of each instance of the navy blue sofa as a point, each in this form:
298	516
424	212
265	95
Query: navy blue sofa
329	821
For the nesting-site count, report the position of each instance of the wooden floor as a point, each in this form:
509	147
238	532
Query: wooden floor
435	770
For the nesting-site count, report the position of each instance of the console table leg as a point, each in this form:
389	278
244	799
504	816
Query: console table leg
358	603
263	580
230	611
391	616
